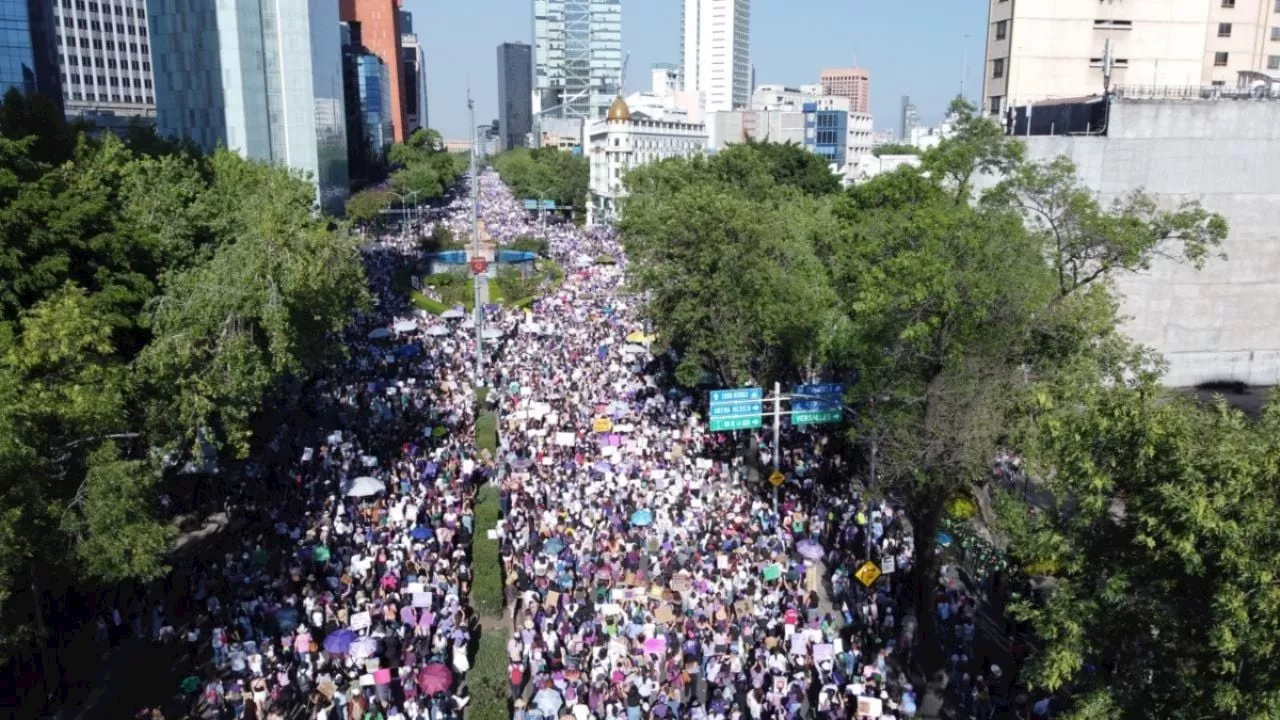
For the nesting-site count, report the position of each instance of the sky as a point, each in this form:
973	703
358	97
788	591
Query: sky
911	47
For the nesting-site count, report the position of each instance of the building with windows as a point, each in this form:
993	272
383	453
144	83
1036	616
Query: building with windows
564	134
367	96
853	83
623	141
28	49
716	52
413	63
263	79
104	57
784	98
1041	50
738	126
908	119
515	94
380	33
577	56
826	128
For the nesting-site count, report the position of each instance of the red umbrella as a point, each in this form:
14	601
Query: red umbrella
434	678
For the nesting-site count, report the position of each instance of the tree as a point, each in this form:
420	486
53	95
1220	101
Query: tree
420	178
1157	592
367	205
792	165
895	149
546	173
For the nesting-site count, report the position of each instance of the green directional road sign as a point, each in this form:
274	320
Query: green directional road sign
815	417
743	422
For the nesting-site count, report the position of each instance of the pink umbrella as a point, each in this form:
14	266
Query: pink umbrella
434	678
657	645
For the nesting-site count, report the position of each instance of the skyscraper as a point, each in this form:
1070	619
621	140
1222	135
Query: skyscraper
577	57
515	94
105	57
415	74
28	60
853	83
716	52
910	117
380	33
262	77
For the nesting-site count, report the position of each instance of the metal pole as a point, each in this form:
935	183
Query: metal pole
475	241
875	449
777	446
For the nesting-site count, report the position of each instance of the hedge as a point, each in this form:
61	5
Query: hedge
488	680
487	433
486	590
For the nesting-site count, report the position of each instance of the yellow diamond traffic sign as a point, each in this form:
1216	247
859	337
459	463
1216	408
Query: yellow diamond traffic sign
868	573
777	478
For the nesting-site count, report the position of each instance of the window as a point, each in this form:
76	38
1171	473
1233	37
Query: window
1219	59
1224	29
997	68
1228	3
1275	34
142	14
1273	62
1113	24
1219	83
1002	29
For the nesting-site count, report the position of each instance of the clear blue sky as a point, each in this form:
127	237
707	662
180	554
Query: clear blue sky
911	47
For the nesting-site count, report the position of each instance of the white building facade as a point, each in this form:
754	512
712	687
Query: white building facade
104	56
261	77
1049	49
624	141
716	53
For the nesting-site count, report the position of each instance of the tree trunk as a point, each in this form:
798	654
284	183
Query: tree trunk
925	522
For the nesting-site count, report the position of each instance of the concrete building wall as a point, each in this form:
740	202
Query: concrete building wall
1223	322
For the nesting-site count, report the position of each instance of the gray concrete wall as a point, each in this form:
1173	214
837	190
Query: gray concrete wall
1222	322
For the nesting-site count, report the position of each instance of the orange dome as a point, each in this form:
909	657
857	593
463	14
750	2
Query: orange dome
619	110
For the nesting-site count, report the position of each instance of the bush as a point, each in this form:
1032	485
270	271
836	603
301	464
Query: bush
529	243
961	509
487	433
488	680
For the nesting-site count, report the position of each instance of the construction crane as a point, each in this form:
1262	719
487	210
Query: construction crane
622	77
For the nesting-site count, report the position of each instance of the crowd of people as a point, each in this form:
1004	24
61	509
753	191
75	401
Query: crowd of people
650	570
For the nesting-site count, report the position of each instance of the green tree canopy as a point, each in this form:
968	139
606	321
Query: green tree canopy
546	173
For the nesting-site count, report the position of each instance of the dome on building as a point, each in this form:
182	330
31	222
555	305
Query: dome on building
619	110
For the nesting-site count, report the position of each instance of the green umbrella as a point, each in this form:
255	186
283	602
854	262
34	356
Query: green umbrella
772	572
439	431
320	553
190	684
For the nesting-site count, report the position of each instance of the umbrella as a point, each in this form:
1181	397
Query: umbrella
771	572
364	487
410	350
548	700
454	314
379	333
190	684
656	644
437	330
421	533
287	619
809	550
553	546
944	539
522	463
434	678
406	326
639	337
490	334
602	466
320	553
339	641
365	647
640	518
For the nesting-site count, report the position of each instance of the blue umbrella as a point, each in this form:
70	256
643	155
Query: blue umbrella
640	518
553	546
410	350
339	641
421	533
944	539
287	619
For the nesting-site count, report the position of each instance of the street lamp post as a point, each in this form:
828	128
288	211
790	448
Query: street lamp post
403	200
475	242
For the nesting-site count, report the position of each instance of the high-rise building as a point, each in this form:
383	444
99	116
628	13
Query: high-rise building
261	77
716	52
665	79
414	64
1045	50
908	119
853	83
515	94
577	57
28	54
367	96
380	33
104	56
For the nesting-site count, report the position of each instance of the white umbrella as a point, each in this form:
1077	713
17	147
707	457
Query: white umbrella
437	330
633	350
490	334
379	333
364	486
406	326
454	314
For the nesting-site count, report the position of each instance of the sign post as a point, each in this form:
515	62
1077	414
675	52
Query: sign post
737	409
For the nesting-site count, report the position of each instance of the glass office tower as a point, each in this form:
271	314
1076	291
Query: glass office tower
27	57
577	57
